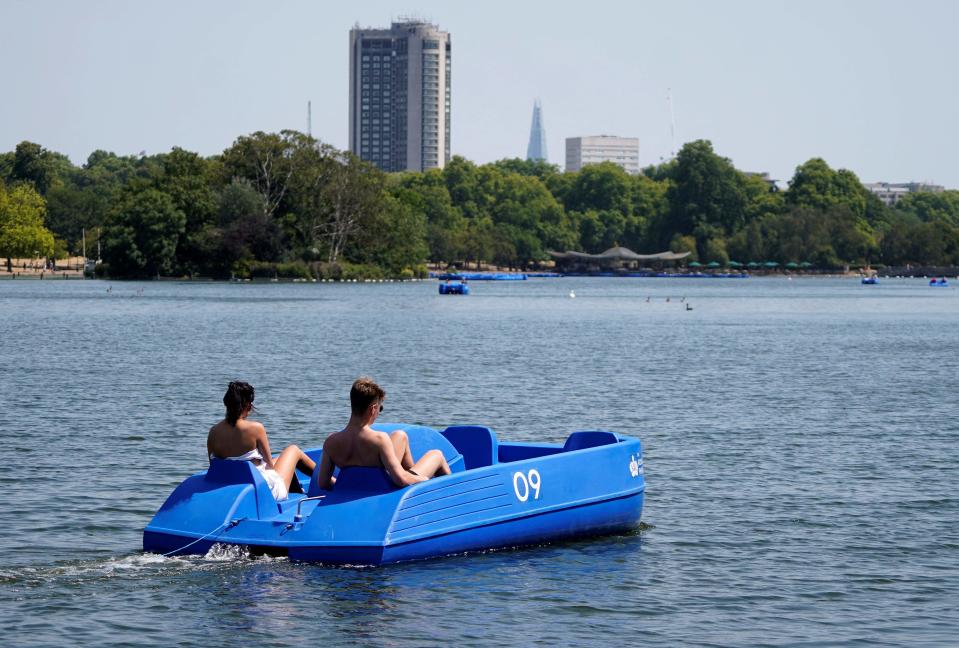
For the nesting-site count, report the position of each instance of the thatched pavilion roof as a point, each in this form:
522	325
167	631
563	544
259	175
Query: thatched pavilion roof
619	253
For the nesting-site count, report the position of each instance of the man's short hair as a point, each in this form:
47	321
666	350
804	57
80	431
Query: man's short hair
363	393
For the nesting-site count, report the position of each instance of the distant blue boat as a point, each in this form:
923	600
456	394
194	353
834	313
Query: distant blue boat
872	281
941	283
499	495
482	276
662	275
454	289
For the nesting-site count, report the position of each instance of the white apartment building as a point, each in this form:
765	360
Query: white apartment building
623	151
891	192
400	96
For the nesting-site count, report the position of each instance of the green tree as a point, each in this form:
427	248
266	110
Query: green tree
536	168
818	186
531	218
352	198
22	233
478	242
761	199
72	210
248	232
714	249
34	164
83	197
749	244
6	166
929	207
395	240
685	243
650	204
427	194
142	234
602	187
909	240
661	172
706	190
190	181
462	182
269	161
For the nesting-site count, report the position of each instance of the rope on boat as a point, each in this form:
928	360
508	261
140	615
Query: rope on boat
222	527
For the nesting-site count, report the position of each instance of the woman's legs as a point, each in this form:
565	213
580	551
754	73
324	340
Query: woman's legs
401	444
288	460
431	464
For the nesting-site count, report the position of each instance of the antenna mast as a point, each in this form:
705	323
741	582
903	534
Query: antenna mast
672	124
309	118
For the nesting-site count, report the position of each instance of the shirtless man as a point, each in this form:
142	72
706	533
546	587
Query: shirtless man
360	445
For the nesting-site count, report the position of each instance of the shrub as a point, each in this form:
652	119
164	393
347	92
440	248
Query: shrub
241	269
293	270
262	270
266	270
360	271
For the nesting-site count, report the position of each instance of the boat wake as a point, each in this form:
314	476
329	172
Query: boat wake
221	552
133	566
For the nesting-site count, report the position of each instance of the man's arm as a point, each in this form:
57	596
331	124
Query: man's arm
400	476
325	477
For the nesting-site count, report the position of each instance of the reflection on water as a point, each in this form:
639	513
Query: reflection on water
799	443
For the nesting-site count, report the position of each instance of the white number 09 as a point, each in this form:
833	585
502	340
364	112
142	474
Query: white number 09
523	483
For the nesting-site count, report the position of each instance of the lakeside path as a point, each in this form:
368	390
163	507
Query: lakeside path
70	268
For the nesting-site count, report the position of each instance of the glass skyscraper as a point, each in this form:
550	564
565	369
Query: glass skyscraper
537	135
400	96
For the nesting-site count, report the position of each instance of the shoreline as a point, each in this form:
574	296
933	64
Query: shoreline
73	276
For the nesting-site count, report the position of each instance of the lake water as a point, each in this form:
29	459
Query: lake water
800	440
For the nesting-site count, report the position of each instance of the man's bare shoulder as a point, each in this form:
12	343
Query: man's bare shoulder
333	439
373	437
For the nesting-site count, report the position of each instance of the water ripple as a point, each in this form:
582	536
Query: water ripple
799	442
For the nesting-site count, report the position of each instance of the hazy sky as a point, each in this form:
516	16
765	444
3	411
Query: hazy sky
869	86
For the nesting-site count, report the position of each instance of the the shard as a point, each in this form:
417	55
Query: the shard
537	136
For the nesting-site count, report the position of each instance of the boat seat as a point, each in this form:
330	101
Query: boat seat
354	482
476	443
363	479
589	439
422	439
223	472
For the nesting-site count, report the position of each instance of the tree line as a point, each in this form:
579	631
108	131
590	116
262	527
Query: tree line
285	204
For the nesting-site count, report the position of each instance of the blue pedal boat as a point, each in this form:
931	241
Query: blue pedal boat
498	495
454	289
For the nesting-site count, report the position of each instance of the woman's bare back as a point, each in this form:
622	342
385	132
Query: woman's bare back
227	440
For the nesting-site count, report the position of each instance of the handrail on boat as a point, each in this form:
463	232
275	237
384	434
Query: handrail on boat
298	517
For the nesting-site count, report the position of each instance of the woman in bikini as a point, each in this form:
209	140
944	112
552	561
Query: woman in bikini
235	438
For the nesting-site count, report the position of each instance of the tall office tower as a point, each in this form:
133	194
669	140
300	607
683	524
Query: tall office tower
623	151
400	96
537	135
